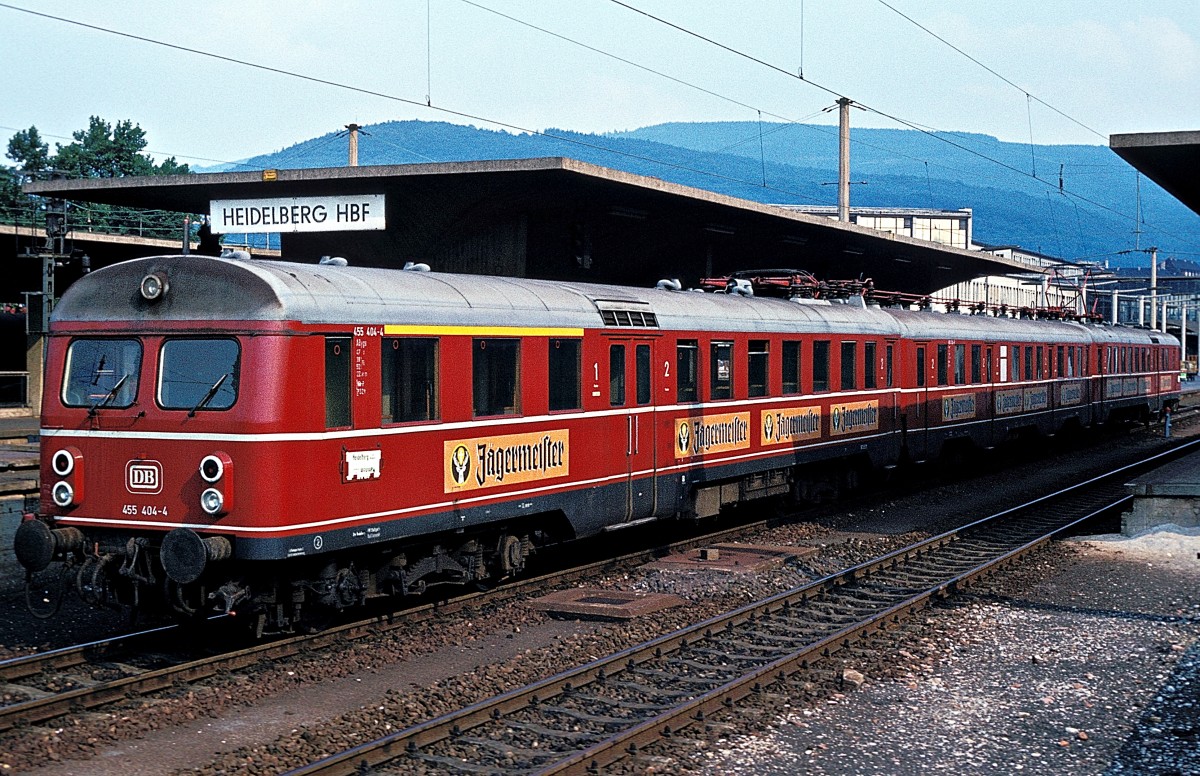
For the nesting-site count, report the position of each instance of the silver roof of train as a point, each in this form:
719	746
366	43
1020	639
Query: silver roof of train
205	288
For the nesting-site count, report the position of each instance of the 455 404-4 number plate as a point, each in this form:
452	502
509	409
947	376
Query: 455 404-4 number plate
144	510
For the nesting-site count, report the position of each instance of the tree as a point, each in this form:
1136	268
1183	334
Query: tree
32	156
102	150
107	151
27	150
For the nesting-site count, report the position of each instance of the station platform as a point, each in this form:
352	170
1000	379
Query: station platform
1169	494
18	487
18	426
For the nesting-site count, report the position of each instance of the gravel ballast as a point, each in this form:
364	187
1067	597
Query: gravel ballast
1087	661
302	710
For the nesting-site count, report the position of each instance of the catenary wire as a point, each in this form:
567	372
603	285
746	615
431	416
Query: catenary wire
699	88
404	100
1033	97
939	135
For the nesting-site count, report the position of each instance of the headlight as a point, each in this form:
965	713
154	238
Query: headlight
212	468
63	494
154	286
63	463
211	501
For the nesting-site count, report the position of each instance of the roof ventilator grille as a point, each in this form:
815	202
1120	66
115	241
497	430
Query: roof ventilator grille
627	315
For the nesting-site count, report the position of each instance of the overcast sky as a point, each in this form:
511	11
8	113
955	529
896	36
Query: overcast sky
1111	65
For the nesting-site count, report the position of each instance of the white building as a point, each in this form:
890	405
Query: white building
1050	283
948	227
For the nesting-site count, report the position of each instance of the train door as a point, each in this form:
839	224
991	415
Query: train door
914	423
631	382
890	351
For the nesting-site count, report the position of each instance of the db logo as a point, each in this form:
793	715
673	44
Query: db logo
143	477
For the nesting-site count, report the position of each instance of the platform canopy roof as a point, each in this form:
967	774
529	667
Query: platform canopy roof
558	218
1170	159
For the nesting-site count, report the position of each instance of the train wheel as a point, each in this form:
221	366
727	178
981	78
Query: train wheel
44	592
512	555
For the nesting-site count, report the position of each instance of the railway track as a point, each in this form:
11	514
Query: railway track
47	685
41	687
609	710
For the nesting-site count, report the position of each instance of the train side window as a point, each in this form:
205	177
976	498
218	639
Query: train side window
960	364
759	367
1029	362
888	366
820	367
987	365
687	370
198	374
409	371
496	376
976	364
1070	362
849	366
616	375
1040	363
869	365
102	373
721	378
565	359
791	367
641	368
1061	368
943	376
921	367
337	382
1004	363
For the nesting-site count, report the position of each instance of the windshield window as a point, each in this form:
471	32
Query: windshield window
102	373
198	374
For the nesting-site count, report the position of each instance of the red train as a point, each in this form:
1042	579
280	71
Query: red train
266	436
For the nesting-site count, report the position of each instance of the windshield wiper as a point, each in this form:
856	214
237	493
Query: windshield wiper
112	394
208	396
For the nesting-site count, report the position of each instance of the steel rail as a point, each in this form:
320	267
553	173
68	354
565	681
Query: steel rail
447	728
41	709
624	743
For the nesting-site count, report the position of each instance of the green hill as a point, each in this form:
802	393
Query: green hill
788	163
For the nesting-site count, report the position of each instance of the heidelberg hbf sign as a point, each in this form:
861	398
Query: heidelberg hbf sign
297	214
